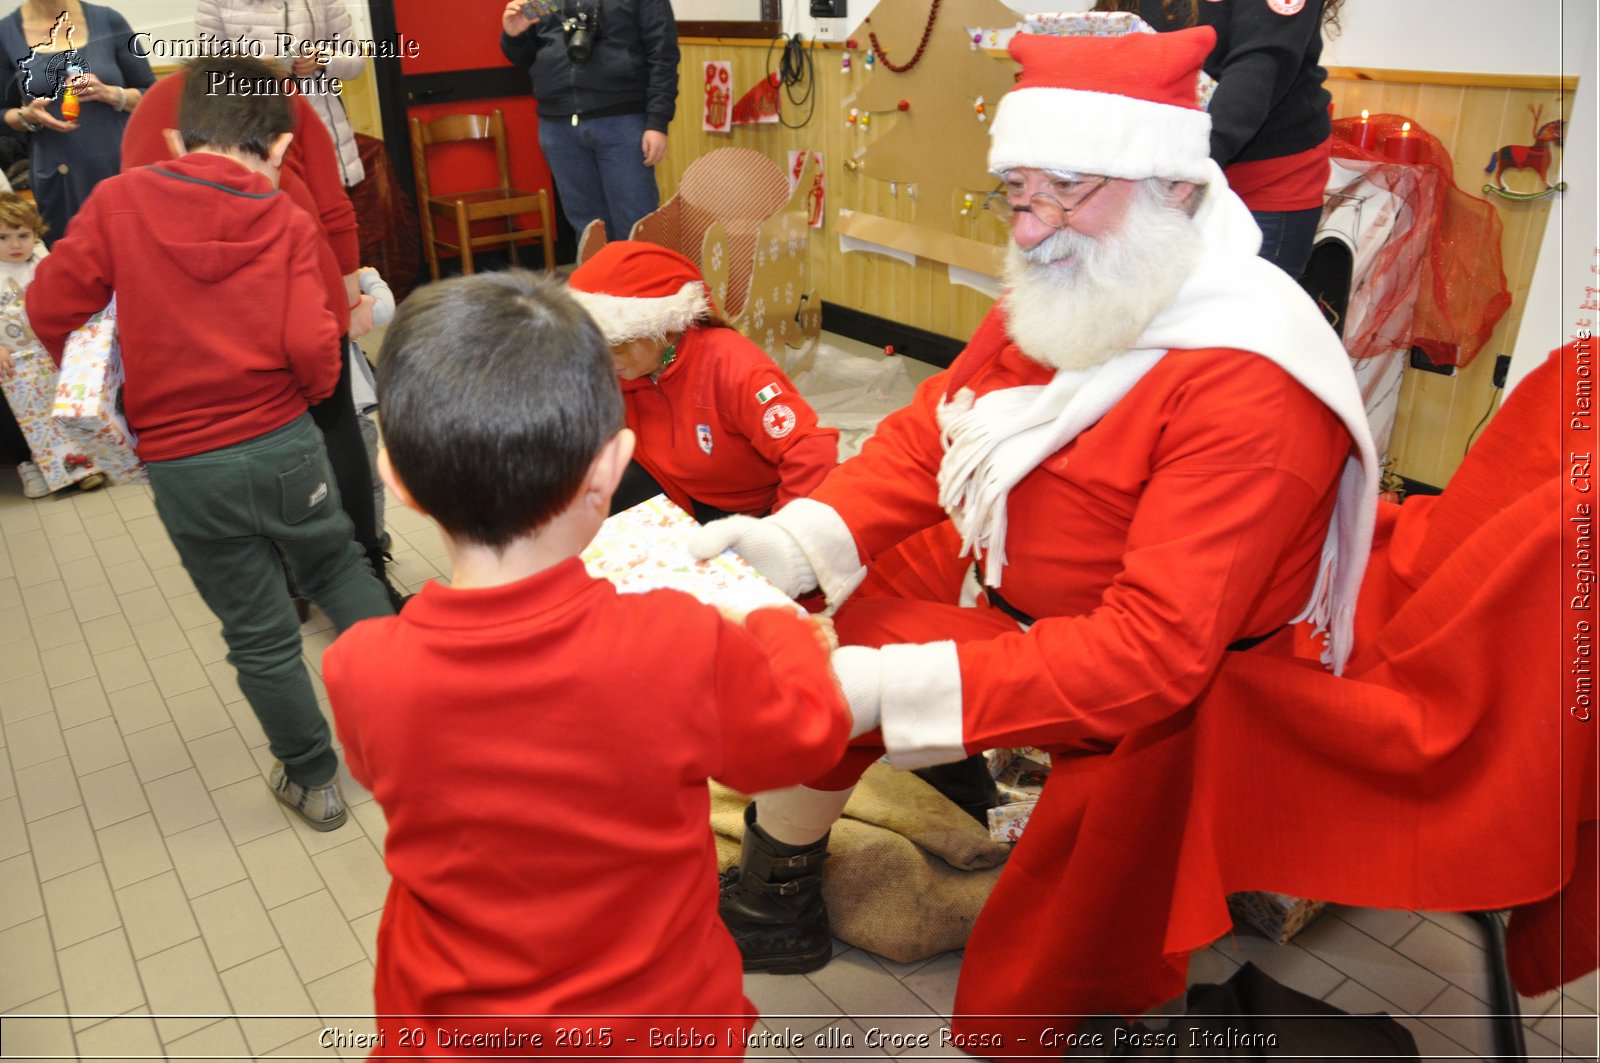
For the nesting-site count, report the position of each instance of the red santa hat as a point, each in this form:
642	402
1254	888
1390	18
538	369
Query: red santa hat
1108	106
635	290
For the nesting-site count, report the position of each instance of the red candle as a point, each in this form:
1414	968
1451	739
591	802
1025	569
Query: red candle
1403	147
1363	133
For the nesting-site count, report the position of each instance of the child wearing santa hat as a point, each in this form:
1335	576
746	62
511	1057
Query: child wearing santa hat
720	428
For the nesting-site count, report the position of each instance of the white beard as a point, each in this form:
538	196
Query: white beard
1073	302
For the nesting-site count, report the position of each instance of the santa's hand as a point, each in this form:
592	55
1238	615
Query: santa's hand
861	680
768	547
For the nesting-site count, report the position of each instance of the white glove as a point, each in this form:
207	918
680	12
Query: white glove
860	676
767	546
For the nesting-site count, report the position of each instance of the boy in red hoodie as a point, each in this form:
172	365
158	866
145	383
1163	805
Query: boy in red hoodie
225	340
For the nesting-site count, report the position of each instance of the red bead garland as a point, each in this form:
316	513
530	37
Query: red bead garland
922	46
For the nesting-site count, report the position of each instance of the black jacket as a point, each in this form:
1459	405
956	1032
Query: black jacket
632	69
1269	101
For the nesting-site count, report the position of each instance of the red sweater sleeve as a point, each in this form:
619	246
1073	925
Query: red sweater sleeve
890	490
801	450
312	158
782	718
310	330
71	283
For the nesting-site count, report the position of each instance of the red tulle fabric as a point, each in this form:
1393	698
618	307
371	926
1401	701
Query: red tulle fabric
1451	257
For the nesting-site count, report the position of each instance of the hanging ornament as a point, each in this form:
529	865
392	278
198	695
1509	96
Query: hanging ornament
894	189
994	38
977	39
903	105
844	64
853	117
870	61
980	110
866	119
851	44
967	202
922	45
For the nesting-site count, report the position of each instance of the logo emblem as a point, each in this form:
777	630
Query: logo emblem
318	495
778	421
702	434
1286	7
767	394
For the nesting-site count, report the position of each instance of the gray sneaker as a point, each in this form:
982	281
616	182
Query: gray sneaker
322	807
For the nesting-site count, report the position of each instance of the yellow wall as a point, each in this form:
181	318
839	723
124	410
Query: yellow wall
1472	116
1437	414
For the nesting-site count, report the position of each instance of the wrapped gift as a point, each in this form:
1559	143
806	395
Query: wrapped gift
30	391
646	547
1023	779
1277	915
88	402
1007	821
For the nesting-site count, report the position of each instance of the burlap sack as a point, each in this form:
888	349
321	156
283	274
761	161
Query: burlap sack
908	872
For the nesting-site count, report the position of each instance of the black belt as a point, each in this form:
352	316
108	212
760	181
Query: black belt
1027	621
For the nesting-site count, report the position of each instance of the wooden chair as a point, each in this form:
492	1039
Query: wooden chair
464	208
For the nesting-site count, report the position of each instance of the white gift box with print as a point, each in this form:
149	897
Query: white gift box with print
88	404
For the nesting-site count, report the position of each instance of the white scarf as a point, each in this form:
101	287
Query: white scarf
1233	299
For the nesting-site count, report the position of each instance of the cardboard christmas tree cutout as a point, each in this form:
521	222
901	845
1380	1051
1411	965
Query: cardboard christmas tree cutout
931	91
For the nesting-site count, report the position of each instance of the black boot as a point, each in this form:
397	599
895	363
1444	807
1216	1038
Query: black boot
967	783
772	903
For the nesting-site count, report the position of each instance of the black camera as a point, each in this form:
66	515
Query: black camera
582	30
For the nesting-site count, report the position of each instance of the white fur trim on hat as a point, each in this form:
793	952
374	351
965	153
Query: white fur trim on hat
622	318
1098	133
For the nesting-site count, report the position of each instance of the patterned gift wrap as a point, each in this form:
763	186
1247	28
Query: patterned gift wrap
30	392
88	399
646	548
1277	915
1007	821
1023	778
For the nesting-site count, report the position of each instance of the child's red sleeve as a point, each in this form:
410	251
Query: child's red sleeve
72	283
783	719
310	331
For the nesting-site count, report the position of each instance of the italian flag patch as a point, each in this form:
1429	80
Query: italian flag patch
768	393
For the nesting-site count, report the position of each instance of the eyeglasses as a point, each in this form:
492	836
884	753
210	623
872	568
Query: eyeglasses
1047	208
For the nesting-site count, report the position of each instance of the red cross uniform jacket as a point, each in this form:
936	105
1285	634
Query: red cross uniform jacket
724	426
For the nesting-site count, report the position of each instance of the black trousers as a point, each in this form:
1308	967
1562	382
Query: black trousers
341	432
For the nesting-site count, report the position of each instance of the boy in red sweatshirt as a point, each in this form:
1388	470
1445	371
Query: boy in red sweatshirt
538	741
225	339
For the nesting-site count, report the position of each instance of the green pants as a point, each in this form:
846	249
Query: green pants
230	513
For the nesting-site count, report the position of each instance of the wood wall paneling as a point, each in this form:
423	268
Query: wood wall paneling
1438	415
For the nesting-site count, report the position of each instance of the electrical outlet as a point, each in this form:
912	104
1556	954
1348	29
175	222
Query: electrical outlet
1419	360
1502	367
824	29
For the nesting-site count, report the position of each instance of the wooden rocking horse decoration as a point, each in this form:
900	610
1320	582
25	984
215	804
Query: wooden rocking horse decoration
1535	157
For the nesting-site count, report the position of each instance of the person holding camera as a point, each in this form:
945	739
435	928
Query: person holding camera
605	75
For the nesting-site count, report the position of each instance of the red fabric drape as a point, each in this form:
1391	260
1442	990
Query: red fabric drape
1442	772
1463	293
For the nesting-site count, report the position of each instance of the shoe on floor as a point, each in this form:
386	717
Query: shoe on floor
322	807
33	485
93	482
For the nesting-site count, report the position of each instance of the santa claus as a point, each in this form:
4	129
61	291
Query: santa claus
1152	453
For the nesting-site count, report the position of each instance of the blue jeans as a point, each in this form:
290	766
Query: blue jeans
229	513
1286	237
600	172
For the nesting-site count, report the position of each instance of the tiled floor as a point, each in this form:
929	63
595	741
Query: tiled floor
156	902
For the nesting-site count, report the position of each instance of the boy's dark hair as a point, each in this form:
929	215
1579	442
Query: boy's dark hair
497	393
233	102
